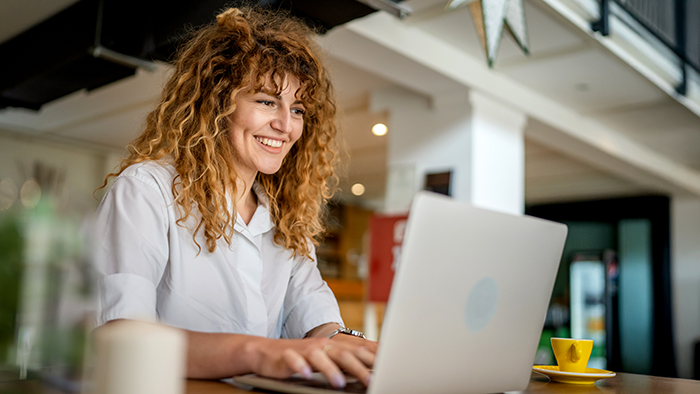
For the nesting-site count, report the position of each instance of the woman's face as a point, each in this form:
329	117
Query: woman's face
263	129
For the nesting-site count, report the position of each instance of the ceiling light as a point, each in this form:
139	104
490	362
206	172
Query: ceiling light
358	189
379	129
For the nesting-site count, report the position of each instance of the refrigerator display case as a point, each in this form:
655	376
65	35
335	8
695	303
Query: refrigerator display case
593	291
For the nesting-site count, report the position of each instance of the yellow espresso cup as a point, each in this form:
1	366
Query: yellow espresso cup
572	354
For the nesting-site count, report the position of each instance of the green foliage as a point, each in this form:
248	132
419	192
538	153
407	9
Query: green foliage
10	279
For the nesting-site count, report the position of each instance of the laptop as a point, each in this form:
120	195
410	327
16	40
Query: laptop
467	304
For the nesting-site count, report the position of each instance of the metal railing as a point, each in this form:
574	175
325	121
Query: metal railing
676	23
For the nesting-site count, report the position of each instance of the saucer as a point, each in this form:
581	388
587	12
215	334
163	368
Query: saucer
588	377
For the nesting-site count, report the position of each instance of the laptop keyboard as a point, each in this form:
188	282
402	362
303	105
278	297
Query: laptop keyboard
352	386
297	384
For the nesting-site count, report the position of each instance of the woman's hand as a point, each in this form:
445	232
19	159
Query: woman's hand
218	356
283	357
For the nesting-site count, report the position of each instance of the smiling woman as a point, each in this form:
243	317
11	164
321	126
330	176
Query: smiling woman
237	156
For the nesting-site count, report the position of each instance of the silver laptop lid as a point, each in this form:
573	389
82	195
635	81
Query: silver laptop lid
468	300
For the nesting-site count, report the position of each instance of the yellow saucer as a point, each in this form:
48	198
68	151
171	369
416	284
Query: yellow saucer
588	377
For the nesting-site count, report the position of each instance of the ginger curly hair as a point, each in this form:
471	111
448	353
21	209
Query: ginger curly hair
246	49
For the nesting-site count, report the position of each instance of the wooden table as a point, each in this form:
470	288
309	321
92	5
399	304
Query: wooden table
622	383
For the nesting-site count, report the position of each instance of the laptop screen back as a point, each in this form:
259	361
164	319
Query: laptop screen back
468	301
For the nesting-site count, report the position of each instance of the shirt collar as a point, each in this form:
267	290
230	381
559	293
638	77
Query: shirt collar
261	221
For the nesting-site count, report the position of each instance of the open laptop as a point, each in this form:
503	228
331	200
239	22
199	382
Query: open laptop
467	305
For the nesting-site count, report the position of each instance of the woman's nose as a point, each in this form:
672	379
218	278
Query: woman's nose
283	121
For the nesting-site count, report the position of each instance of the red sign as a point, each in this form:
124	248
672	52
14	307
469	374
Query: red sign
386	236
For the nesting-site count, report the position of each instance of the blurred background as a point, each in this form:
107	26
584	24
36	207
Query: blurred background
591	118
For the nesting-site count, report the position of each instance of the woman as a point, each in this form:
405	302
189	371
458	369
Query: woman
211	222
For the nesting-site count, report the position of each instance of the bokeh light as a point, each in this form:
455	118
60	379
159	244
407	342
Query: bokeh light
379	129
30	193
358	189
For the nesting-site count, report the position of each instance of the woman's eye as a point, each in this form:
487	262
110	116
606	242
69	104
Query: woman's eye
299	111
266	102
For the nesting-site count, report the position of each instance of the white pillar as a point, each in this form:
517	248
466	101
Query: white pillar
477	138
685	274
498	155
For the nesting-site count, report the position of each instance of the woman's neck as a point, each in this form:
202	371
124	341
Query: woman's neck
246	200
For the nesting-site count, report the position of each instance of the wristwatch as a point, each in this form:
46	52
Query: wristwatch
347	331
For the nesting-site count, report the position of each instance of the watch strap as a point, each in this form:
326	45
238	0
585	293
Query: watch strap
347	331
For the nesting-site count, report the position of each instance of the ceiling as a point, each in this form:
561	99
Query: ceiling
17	15
564	65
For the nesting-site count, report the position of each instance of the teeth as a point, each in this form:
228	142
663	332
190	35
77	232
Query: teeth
269	142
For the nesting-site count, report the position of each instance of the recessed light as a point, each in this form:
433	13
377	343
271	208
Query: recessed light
358	189
582	87
379	129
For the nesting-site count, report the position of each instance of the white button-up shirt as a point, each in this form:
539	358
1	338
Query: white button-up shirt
150	268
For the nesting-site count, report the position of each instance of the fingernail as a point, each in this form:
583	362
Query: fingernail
306	372
339	381
369	378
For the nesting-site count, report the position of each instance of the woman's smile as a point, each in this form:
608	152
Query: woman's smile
269	142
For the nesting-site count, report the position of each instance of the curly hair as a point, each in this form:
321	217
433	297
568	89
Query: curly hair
250	49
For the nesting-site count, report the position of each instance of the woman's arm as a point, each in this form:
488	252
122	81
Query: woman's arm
215	356
323	331
218	356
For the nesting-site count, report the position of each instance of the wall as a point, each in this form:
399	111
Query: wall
685	271
82	168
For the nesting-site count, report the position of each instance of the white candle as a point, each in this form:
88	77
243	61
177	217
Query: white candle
133	357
